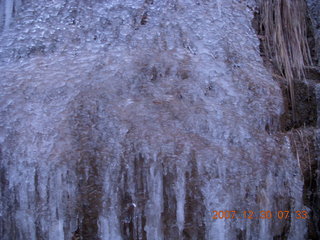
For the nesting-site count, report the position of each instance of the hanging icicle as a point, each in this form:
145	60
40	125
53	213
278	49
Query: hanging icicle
8	9
8	13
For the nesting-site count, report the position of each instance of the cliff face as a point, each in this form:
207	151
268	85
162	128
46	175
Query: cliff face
137	119
314	15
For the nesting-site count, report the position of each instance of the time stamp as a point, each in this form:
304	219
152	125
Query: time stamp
260	214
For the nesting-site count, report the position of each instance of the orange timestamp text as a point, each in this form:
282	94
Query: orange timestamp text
260	214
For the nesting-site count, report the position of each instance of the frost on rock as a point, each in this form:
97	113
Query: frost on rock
136	119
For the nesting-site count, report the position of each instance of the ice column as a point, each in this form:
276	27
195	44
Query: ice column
7	10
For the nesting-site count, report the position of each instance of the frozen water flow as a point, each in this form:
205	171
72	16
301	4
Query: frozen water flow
137	119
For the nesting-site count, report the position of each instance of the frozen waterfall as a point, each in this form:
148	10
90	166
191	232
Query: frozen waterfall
138	119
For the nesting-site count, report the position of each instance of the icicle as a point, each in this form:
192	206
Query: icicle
219	7
8	11
180	200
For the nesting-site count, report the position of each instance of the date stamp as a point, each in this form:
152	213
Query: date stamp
282	215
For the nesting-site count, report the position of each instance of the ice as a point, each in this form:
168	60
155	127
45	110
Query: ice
8	12
137	119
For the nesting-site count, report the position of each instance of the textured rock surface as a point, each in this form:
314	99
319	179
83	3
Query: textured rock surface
314	14
314	196
136	119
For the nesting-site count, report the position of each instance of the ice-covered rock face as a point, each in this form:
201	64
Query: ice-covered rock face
136	119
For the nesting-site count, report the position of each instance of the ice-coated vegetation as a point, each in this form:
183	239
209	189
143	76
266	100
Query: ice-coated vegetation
136	119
